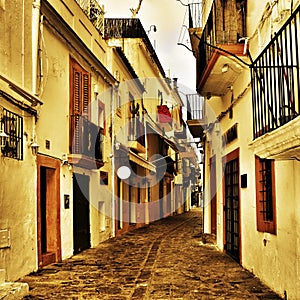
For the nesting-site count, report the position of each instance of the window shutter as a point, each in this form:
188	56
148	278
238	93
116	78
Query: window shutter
79	107
76	92
86	93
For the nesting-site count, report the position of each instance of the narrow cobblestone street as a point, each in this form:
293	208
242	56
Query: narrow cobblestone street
167	260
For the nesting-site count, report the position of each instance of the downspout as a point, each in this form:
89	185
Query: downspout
114	90
36	5
23	45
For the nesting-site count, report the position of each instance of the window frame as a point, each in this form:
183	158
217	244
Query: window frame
265	222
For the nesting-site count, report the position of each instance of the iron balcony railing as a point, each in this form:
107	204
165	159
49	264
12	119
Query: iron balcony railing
225	25
195	107
87	138
195	15
94	12
276	79
130	28
136	131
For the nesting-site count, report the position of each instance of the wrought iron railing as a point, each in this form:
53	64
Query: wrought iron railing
276	79
195	15
136	131
94	12
195	105
86	138
224	26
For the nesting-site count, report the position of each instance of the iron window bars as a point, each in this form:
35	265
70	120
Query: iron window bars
12	125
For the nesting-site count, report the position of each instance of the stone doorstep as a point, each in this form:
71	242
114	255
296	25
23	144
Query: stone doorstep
13	290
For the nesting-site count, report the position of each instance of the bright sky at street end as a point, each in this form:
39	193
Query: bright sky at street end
168	16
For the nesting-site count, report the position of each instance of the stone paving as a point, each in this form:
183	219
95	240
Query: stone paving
168	259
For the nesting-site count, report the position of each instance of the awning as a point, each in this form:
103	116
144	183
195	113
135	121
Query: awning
141	161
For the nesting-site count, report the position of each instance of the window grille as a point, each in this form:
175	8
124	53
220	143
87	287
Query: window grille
265	180
12	125
265	195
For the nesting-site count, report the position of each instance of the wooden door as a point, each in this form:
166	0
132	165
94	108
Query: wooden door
48	210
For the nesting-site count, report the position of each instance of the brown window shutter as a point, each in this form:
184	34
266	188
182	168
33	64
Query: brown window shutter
86	94
77	93
79	105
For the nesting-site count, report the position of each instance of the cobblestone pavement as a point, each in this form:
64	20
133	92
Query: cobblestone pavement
165	260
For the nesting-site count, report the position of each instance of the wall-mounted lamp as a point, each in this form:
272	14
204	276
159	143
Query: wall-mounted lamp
154	29
96	89
3	138
225	68
34	147
64	160
183	4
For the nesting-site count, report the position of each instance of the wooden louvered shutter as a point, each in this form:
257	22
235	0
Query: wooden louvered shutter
79	106
76	111
86	94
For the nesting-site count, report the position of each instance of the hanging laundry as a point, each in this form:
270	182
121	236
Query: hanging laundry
164	115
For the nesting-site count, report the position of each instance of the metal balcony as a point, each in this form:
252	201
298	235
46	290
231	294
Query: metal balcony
94	12
275	94
195	114
136	135
219	47
86	143
276	79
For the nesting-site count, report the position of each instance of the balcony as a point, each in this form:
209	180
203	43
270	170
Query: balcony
219	47
275	94
94	12
136	136
195	115
86	143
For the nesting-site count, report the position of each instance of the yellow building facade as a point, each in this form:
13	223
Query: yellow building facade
77	108
248	72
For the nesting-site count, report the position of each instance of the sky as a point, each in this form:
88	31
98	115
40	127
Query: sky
168	16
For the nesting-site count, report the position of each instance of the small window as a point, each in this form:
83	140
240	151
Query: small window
265	195
12	125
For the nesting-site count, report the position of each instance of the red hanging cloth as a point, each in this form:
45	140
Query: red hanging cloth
164	115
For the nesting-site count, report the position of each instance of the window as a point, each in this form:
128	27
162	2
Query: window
79	104
265	195
12	125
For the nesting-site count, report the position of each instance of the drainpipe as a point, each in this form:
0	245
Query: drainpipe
114	94
36	5
23	45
